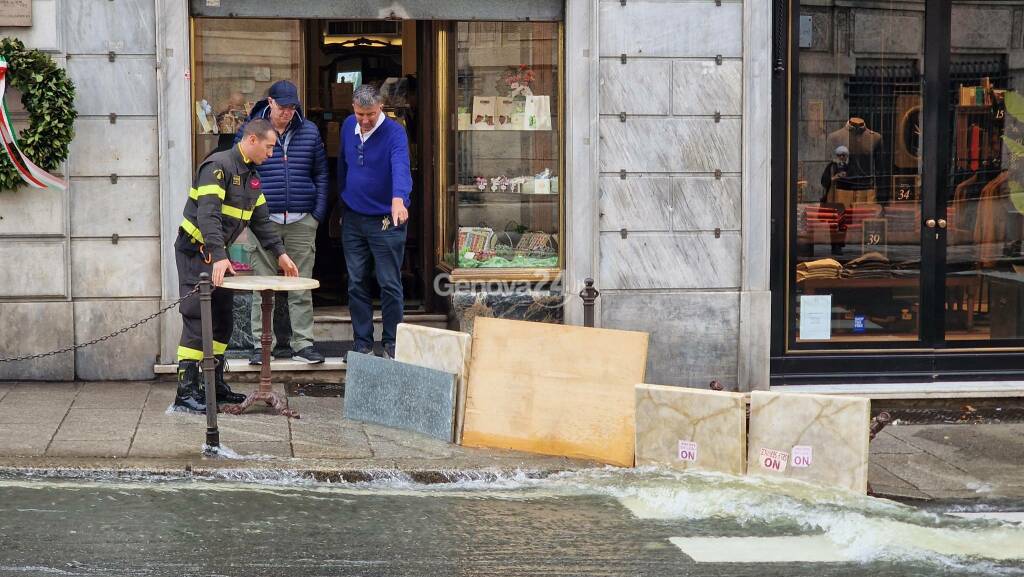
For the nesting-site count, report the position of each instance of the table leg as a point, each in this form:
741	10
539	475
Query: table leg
265	392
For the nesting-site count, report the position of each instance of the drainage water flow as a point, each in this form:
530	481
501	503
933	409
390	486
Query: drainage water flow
597	522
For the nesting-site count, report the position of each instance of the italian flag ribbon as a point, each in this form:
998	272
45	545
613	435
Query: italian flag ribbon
30	173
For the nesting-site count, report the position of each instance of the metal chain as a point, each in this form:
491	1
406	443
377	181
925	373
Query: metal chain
101	339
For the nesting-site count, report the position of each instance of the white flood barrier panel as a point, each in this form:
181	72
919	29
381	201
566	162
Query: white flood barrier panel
683	428
814	438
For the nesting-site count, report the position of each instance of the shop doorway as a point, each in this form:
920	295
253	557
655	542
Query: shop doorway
340	56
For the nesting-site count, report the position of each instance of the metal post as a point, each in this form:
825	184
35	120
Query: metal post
589	294
209	362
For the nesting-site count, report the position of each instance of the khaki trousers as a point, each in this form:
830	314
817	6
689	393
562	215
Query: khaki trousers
300	244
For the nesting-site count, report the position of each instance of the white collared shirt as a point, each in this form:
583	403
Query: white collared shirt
365	137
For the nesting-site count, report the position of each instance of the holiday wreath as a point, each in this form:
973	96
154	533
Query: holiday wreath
48	96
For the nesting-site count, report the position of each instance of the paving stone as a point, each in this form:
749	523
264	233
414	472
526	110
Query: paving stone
112	396
254	428
4	389
21	413
102	449
25	439
258	448
887	443
400	395
169	440
98	425
931	475
317	450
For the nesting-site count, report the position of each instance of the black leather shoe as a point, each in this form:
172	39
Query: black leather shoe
225	396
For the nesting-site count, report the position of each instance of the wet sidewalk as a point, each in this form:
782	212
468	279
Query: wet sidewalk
126	426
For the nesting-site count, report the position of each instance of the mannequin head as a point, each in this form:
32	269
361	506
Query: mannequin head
857	123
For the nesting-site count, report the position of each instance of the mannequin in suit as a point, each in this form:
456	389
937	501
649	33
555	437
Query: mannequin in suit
864	145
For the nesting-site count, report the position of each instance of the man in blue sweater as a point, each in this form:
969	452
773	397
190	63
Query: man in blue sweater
374	181
295	186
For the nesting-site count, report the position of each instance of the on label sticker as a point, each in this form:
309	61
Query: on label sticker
802	456
774	460
688	451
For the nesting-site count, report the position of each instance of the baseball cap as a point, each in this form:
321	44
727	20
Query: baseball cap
284	93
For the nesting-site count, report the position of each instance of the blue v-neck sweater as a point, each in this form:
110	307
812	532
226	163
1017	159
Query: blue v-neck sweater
384	174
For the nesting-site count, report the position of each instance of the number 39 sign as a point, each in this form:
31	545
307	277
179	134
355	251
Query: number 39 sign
874	239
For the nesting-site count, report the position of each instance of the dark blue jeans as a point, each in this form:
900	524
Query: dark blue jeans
366	247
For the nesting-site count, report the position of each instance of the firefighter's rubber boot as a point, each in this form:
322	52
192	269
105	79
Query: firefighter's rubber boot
191	396
225	396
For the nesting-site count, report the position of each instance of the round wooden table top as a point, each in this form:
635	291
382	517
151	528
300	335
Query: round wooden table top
274	283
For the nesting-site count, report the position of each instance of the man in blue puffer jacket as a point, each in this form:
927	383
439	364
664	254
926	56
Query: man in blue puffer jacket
295	186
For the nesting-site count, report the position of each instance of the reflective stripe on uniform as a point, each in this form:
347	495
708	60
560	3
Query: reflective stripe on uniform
206	189
236	212
260	201
187	354
219	348
192	230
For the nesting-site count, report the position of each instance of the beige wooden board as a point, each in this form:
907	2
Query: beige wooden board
554	389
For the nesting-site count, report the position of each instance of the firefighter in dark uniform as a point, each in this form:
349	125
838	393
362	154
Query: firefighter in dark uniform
224	198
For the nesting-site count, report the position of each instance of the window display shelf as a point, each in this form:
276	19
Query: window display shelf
502	201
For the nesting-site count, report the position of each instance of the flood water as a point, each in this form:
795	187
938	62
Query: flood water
601	522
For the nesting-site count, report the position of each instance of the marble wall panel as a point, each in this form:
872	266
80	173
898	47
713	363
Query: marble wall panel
694	335
755	340
819	439
441	350
33	268
127	147
657	29
644	144
684	429
45	326
126	86
130	356
976	27
543	306
670	260
124	26
886	32
44	34
705	87
637	87
676	204
129	207
30	211
101	269
400	395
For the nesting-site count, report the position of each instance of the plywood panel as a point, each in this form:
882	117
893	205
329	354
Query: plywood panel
554	389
